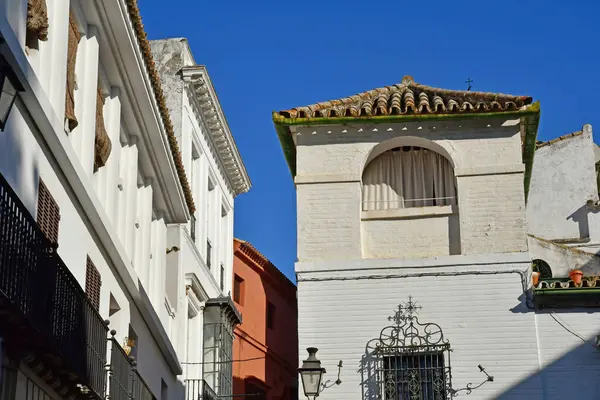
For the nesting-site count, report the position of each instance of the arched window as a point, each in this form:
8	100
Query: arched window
543	268
406	177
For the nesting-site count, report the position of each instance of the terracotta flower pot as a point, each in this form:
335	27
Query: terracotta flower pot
535	278
576	276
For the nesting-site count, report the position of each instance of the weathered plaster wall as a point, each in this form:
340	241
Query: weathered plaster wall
562	259
169	58
411	237
562	181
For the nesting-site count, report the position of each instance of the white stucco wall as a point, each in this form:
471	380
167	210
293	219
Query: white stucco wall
118	215
487	163
22	160
562	181
411	237
479	303
481	316
354	268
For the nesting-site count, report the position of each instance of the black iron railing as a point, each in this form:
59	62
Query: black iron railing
125	381
199	389
120	372
36	285
141	391
16	385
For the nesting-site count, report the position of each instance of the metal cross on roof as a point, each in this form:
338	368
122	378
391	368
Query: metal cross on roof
468	82
406	311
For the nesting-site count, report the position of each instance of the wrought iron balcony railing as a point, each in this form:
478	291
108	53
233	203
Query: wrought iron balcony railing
44	309
125	381
199	389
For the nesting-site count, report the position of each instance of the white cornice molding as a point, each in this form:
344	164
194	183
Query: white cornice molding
207	104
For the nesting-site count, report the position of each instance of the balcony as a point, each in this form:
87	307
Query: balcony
198	389
125	383
44	312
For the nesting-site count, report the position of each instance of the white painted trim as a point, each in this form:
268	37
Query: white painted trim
490	170
50	129
412	212
333	178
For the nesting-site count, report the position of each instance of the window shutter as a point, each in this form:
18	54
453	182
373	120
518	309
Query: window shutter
92	284
73	39
102	145
37	20
48	213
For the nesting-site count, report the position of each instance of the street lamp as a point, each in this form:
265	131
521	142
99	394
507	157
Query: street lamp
311	374
9	87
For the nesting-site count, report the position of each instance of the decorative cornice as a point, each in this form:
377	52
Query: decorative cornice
266	266
204	95
227	305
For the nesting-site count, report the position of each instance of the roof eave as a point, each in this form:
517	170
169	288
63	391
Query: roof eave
530	117
235	169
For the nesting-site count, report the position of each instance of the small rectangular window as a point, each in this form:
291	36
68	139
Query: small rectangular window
270	315
208	254
193	227
238	290
222	277
48	213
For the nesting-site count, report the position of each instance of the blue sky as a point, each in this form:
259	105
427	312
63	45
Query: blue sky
270	55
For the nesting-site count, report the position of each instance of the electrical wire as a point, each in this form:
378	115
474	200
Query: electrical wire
522	273
571	330
224	362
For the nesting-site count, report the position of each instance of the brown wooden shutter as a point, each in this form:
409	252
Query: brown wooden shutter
37	20
92	284
74	37
48	213
102	144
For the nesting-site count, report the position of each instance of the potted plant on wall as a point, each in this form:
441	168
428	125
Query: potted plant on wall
535	278
576	275
128	345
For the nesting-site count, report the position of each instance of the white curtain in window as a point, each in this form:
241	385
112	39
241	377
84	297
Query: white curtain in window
402	179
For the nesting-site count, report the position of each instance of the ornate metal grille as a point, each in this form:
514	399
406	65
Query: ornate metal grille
409	360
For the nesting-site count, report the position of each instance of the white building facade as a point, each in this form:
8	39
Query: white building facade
217	175
413	264
92	166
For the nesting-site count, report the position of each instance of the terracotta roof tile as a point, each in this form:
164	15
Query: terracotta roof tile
409	97
252	252
564	284
558	139
138	26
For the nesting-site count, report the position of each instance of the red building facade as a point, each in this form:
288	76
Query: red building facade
266	343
